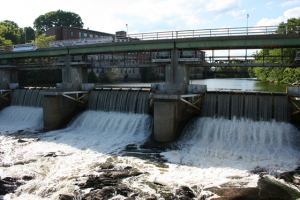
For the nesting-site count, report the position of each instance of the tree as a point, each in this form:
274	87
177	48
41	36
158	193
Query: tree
30	34
43	42
3	41
92	77
57	18
9	31
147	74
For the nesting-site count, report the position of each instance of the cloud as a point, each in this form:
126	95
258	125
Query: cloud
221	5
291	13
271	22
234	13
269	3
290	3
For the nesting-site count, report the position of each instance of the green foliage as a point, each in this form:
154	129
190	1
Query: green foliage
147	74
292	26
9	31
39	77
57	18
3	41
43	41
108	76
30	34
92	77
278	74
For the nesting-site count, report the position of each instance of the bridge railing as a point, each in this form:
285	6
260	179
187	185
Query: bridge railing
218	32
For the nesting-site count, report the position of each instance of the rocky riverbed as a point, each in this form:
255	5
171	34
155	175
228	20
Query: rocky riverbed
109	180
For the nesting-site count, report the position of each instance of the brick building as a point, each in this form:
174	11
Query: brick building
68	33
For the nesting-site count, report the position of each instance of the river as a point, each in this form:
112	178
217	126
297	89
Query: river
236	84
212	153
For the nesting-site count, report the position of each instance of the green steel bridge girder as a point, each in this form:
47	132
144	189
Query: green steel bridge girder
204	43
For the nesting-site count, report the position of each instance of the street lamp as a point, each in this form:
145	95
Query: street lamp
127	32
25	35
247	23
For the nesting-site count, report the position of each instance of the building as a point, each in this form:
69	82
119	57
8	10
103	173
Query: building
68	33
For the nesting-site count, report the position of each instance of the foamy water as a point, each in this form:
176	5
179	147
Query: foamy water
212	153
14	118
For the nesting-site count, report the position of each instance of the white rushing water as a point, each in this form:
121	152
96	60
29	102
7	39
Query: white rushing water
14	118
212	152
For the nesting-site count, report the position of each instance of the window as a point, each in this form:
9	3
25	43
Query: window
65	34
96	35
85	35
72	33
79	34
91	35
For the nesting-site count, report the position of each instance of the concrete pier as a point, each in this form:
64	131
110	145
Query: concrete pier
57	109
168	109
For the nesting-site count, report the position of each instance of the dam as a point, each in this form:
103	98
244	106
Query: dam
178	135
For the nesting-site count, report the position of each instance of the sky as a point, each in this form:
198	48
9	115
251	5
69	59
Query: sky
157	15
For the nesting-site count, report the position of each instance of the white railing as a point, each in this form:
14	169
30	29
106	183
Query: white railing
219	32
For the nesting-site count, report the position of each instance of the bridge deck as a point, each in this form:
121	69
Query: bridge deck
200	43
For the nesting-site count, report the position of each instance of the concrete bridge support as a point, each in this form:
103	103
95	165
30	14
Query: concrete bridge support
72	76
7	76
59	110
168	109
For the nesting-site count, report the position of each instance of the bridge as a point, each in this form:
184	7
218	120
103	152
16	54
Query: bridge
172	49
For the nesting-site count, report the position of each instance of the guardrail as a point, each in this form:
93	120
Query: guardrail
218	32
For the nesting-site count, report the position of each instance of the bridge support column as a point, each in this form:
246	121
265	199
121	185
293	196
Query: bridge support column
168	109
7	76
73	76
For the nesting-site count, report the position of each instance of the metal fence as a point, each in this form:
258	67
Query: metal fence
219	32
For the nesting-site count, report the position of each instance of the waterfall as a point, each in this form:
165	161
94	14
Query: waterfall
224	106
209	105
93	100
281	108
209	141
263	107
131	102
15	97
21	97
251	107
39	102
34	97
119	101
143	103
237	102
122	97
27	98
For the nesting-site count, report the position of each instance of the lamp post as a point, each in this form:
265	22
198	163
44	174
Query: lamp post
127	32
25	35
247	23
